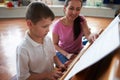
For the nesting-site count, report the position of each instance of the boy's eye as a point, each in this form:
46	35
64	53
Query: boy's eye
45	26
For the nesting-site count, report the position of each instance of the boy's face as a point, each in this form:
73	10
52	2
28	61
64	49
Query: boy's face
41	28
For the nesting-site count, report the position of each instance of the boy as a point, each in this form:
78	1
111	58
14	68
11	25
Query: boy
35	54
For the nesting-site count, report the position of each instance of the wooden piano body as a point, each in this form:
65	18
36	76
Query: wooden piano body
105	68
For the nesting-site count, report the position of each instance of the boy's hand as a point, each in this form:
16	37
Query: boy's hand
62	67
70	60
68	63
54	75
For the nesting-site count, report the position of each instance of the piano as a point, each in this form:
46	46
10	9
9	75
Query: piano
99	60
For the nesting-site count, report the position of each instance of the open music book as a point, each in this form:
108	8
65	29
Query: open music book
108	41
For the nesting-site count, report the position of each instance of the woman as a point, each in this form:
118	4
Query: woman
68	31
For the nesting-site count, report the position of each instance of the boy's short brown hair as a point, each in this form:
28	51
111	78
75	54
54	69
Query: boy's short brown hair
36	11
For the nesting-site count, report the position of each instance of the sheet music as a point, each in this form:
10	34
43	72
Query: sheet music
108	41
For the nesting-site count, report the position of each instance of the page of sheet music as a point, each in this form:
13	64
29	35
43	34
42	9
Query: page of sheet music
108	41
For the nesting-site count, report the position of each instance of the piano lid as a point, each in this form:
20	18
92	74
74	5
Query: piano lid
108	41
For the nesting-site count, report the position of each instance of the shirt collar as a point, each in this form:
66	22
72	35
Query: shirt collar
31	40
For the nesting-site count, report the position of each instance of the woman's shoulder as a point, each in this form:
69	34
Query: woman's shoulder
82	18
57	23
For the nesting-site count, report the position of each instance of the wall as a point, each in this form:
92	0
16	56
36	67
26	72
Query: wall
58	10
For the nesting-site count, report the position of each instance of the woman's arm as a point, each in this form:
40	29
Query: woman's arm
55	41
90	36
59	65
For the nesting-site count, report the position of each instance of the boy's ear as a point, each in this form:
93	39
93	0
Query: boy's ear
29	23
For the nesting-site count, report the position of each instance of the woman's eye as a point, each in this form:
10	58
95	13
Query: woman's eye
77	9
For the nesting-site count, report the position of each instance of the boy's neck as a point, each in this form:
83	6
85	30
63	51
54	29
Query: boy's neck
38	40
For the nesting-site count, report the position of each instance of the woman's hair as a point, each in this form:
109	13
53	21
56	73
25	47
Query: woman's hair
36	11
77	26
67	1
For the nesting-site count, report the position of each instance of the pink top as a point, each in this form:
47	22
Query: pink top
66	39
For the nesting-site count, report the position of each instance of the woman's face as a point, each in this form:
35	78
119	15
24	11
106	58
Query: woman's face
72	10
